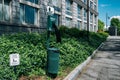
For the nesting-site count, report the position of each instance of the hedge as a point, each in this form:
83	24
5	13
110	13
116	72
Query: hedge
74	49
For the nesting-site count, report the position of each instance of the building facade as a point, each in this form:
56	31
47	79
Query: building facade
31	15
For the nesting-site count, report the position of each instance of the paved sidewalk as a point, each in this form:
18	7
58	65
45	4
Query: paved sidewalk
106	63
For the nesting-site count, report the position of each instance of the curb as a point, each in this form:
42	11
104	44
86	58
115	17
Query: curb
73	75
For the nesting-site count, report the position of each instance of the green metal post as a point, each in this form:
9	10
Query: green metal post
49	24
52	53
49	29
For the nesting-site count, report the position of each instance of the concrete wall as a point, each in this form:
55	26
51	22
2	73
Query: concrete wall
15	23
74	11
63	12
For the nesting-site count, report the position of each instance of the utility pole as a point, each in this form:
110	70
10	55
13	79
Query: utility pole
115	31
106	20
88	20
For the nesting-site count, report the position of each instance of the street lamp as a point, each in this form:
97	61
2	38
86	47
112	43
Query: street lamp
107	18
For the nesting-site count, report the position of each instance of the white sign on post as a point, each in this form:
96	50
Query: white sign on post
50	10
14	59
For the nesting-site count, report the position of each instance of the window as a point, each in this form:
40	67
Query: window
33	1
85	14
79	9
95	19
91	17
95	8
55	2
85	26
57	19
29	14
68	22
91	4
95	1
57	5
85	1
1	10
91	27
5	10
95	29
68	7
79	24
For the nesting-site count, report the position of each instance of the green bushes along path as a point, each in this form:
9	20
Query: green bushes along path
74	49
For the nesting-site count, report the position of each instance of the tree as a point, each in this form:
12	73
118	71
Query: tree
118	29
114	22
100	25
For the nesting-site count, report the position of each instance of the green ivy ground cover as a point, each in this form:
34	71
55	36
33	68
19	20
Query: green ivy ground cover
74	49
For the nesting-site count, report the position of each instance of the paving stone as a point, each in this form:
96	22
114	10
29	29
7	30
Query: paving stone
106	63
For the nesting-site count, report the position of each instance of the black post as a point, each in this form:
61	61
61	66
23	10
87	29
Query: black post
15	73
88	20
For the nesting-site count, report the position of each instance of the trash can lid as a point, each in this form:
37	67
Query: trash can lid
54	49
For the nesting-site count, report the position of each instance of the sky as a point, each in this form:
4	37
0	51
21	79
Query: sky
111	7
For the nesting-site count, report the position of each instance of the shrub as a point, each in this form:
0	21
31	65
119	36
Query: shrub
74	49
31	50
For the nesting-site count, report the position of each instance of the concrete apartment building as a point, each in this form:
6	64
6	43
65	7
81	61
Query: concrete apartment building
31	15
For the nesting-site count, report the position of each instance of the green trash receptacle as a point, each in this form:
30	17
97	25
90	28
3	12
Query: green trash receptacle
52	60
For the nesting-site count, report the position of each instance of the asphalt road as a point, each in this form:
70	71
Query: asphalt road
106	63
